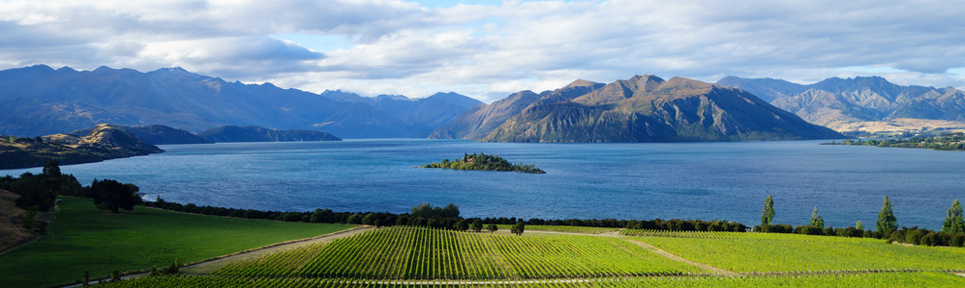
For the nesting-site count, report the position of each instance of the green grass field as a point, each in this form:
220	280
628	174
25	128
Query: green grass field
772	252
84	239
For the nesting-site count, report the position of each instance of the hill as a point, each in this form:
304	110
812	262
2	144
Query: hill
261	134
858	103
483	119
39	100
104	142
649	109
157	135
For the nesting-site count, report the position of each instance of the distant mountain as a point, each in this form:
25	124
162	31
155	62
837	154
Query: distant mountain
483	119
103	142
261	134
640	109
39	100
157	135
422	116
841	104
767	89
649	109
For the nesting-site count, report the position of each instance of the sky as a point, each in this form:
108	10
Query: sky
490	49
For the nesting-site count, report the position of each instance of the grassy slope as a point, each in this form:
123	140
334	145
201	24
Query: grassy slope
756	252
85	240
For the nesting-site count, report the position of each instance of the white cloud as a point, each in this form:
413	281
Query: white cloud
490	51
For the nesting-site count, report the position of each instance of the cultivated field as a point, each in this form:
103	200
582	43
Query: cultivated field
423	257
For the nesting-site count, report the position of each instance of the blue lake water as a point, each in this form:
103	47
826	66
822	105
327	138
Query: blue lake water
624	181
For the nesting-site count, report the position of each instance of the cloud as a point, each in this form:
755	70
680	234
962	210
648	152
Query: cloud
122	49
490	51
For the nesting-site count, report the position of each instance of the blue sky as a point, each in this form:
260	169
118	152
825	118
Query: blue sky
489	49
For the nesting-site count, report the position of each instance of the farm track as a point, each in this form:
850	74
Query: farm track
671	256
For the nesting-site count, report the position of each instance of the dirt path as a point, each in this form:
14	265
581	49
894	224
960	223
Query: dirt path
719	271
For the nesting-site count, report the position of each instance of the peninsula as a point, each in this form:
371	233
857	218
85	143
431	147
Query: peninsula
953	142
103	142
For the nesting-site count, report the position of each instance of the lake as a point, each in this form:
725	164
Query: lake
624	181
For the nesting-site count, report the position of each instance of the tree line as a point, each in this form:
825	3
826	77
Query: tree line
952	233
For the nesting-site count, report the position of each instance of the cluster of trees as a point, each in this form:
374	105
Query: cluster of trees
484	162
39	192
952	233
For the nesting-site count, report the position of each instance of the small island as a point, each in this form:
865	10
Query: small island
485	163
952	142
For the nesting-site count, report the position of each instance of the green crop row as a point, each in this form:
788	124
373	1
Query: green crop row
421	253
924	279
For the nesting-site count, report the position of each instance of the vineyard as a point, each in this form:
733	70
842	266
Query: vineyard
421	253
403	256
923	279
772	252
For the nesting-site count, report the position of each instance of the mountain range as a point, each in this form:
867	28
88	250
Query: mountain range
641	109
39	100
861	103
261	134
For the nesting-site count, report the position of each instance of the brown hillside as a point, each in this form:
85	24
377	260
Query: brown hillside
11	228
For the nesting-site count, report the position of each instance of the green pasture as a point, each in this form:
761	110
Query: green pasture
85	239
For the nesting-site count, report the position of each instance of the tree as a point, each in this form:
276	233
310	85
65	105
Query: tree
52	169
886	219
953	219
369	219
323	216
112	195
518	228
816	220
450	211
354	219
461	225
477	225
768	214
492	227
859	226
